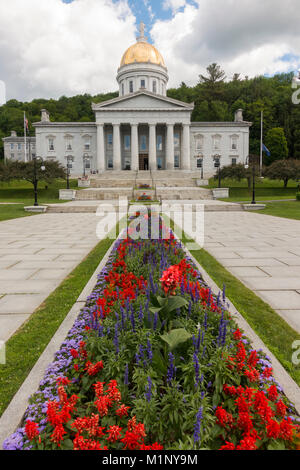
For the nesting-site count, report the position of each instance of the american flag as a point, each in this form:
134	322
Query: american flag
26	123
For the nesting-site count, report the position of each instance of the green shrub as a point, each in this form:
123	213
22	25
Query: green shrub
298	196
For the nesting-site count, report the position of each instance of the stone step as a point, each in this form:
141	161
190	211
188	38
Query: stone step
192	193
103	193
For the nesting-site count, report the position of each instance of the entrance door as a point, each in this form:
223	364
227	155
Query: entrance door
143	161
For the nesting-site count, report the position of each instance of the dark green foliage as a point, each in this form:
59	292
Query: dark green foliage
284	170
215	100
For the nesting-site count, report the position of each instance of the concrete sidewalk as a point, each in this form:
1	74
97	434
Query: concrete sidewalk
263	252
36	254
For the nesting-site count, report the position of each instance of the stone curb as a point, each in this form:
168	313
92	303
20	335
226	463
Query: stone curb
290	388
12	416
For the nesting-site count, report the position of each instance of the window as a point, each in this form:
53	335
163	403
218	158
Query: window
109	140
87	143
159	163
159	140
233	161
131	86
143	142
216	142
12	146
176	160
154	86
127	142
216	162
110	164
12	155
122	89
198	142
143	83
51	144
87	163
68	143
176	139
199	163
19	147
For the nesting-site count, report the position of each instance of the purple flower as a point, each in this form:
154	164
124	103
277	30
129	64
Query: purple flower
148	389
197	427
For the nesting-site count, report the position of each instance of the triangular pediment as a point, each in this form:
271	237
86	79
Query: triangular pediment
143	100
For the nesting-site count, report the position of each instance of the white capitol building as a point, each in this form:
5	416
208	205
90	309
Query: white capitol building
140	130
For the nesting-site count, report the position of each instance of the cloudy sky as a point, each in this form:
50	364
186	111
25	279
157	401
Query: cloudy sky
50	48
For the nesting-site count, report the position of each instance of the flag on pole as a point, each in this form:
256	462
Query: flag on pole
266	150
26	127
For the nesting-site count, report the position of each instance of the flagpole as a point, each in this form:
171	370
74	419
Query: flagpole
261	140
25	144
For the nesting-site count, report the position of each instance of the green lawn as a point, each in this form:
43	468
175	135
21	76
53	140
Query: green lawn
265	189
286	209
22	191
25	347
12	211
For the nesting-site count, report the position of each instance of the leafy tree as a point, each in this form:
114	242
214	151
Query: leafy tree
238	172
20	170
284	170
277	145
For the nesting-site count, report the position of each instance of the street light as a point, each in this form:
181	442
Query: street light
35	179
218	165
253	177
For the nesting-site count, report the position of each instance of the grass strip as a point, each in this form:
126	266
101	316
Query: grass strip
277	335
286	209
13	211
24	348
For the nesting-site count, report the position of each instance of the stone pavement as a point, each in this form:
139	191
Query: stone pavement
36	254
263	252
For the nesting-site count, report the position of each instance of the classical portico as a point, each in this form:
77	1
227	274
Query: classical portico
143	131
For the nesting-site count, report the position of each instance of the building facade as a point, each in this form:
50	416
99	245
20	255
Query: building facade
143	129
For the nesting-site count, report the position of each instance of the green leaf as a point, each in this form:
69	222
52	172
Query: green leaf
176	337
176	302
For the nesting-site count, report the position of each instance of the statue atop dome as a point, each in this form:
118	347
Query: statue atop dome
142	37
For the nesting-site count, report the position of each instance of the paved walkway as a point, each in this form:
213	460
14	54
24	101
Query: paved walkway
263	252
36	254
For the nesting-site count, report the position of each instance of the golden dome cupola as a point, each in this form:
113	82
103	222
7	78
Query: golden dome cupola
142	67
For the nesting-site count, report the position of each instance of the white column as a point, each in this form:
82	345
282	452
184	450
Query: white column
100	148
152	147
117	147
170	147
185	148
134	147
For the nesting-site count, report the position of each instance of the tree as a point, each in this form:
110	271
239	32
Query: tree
213	83
15	170
238	172
284	170
277	145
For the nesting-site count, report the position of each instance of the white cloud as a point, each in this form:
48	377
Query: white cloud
2	93
173	5
248	37
49	48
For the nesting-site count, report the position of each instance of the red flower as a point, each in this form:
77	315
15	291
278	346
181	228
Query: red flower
273	429
237	334
31	429
58	433
228	446
281	408
286	429
222	416
248	443
170	280
122	411
272	393
114	433
93	369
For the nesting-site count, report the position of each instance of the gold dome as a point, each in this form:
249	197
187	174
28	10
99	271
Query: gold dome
141	52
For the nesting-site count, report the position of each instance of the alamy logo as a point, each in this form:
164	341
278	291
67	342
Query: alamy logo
296	94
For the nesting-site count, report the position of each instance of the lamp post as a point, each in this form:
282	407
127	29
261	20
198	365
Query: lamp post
69	165
253	177
218	165
35	178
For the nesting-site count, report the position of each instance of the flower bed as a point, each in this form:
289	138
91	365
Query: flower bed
154	361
